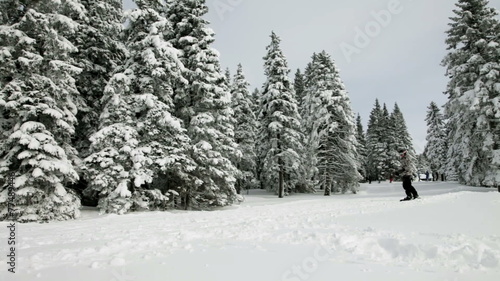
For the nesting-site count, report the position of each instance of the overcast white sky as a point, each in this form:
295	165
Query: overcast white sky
397	59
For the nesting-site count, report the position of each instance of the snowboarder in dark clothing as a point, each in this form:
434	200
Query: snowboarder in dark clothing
406	173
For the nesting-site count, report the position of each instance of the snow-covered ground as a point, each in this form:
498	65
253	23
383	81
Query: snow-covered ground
453	233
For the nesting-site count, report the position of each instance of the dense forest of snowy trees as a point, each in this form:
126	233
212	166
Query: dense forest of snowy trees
140	116
463	143
386	134
473	108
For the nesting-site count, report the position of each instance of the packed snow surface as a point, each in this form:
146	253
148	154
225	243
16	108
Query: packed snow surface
452	233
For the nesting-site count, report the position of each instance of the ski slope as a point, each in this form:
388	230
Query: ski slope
452	233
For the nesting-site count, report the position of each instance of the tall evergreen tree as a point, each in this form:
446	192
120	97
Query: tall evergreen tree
435	149
473	111
299	85
227	76
331	128
389	133
39	99
280	140
245	130
204	105
400	138
100	52
139	141
309	105
361	148
255	98
375	143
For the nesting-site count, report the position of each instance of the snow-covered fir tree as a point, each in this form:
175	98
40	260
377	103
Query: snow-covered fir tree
255	98
139	142
204	105
227	76
245	131
299	85
403	138
308	103
399	138
279	138
39	100
330	127
435	149
375	144
386	134
100	51
361	148
472	110
392	143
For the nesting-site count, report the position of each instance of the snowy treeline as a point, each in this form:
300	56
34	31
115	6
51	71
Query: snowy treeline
139	116
464	144
131	111
386	134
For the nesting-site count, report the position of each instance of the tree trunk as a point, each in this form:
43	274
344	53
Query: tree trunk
328	185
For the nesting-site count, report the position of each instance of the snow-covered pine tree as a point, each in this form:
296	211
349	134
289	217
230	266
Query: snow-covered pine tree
376	144
400	138
361	148
331	128
100	51
279	139
308	104
435	149
227	76
255	98
473	108
299	85
245	131
38	97
139	142
204	104
403	137
390	136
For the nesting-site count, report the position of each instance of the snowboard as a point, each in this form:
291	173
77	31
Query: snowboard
418	198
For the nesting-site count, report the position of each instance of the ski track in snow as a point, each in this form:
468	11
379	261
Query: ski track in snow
340	225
